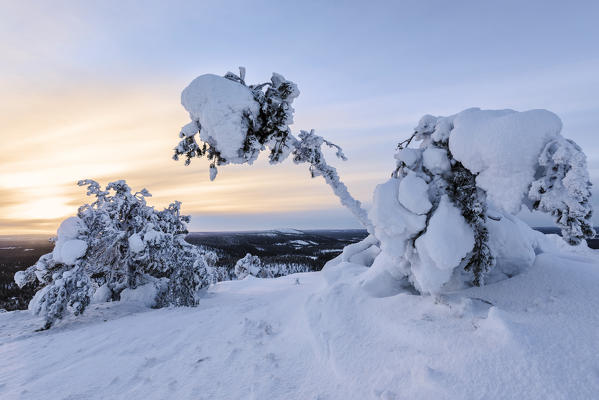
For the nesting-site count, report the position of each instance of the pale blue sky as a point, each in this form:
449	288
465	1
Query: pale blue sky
366	71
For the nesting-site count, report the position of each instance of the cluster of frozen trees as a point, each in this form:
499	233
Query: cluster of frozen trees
446	216
119	247
252	266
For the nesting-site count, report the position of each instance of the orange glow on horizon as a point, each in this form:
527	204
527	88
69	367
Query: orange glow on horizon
50	142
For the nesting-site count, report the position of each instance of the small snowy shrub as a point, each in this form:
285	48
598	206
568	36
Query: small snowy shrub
114	244
235	122
447	213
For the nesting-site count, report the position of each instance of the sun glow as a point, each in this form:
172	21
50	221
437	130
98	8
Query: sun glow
87	135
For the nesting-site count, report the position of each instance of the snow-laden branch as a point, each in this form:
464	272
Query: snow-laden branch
309	150
235	122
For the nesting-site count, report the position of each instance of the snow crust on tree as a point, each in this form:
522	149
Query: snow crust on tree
412	194
447	241
147	294
445	218
67	248
222	110
119	248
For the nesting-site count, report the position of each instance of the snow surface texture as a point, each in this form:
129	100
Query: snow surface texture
530	337
430	220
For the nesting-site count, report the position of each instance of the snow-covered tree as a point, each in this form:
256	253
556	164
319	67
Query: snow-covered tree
235	122
251	265
115	243
563	189
283	269
448	213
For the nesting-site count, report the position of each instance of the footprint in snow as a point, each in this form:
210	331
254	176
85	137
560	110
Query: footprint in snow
258	329
385	395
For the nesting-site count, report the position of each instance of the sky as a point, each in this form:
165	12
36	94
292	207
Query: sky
92	90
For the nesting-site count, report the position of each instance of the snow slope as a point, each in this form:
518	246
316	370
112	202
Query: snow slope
534	336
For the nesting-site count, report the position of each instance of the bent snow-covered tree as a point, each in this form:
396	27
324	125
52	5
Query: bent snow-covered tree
114	246
447	215
235	122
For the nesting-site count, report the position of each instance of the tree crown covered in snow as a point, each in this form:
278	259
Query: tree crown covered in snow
235	122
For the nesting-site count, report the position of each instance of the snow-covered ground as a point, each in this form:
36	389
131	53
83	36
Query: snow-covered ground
534	336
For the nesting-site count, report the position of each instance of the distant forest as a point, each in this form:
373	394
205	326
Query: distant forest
311	247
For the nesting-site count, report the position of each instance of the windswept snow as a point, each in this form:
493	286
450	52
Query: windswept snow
320	336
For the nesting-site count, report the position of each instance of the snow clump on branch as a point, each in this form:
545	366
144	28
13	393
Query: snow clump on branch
235	122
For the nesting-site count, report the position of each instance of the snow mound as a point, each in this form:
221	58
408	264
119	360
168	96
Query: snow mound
222	109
